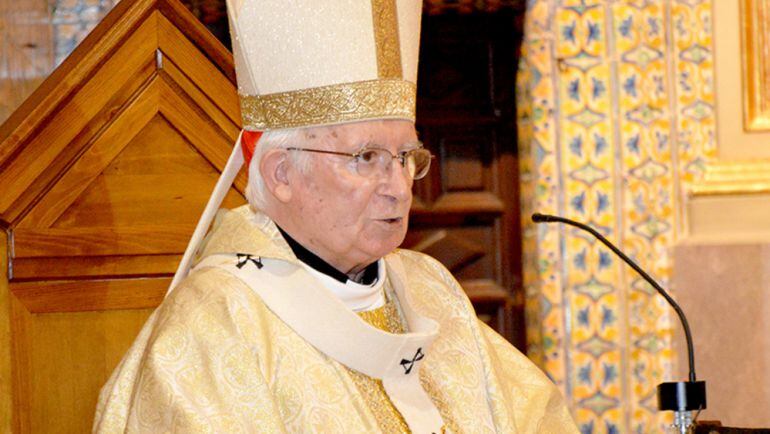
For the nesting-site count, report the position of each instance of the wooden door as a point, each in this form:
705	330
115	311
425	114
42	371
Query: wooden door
466	211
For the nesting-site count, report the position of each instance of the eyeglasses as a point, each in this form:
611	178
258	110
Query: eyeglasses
373	161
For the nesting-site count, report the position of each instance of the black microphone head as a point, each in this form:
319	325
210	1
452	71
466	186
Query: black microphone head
541	218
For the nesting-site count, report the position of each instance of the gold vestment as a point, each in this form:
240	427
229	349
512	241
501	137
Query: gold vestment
214	358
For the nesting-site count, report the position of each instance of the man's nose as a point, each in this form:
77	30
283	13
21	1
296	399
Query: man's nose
397	182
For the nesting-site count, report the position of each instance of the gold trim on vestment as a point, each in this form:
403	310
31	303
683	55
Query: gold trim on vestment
386	40
327	105
389	319
388	417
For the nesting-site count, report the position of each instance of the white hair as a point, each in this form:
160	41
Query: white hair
256	193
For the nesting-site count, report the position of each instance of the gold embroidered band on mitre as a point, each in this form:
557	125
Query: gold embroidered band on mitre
327	105
387	45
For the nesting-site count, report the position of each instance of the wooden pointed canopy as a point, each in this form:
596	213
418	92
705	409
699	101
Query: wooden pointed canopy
114	156
104	172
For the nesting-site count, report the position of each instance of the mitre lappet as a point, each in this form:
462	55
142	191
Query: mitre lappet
309	63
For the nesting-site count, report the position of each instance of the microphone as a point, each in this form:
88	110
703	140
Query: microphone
681	397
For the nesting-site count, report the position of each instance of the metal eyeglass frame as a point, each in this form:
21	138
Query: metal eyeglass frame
400	156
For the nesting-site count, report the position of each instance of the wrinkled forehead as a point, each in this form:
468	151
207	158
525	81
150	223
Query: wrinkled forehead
352	136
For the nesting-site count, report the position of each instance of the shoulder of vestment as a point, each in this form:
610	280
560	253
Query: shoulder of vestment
430	283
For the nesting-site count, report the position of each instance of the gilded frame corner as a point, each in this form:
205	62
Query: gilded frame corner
755	60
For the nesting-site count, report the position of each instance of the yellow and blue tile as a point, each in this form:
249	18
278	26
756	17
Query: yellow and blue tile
616	118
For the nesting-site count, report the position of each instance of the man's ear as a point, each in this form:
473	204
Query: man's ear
274	168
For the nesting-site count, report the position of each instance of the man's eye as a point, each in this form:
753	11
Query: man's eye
367	156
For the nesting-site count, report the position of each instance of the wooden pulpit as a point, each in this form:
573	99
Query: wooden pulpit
104	172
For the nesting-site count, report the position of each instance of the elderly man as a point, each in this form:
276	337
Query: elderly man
301	315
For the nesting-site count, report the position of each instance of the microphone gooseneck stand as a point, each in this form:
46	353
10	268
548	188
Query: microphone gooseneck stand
681	397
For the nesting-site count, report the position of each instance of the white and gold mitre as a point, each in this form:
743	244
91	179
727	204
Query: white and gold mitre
302	63
320	62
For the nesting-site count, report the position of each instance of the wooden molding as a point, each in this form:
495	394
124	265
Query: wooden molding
90	295
98	80
100	44
20	356
101	267
6	397
141	240
103	148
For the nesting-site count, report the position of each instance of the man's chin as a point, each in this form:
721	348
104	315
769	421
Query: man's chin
385	245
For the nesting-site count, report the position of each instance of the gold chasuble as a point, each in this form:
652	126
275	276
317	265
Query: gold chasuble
217	357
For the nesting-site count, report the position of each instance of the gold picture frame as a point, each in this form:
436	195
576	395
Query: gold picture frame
755	39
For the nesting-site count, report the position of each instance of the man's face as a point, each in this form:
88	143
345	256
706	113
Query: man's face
347	219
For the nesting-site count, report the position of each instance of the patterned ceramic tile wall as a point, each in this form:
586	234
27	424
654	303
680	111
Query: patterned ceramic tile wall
73	19
616	118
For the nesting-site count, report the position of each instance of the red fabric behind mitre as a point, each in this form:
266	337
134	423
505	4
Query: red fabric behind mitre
249	141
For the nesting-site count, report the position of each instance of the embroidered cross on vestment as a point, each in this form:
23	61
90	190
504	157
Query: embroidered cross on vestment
409	364
244	259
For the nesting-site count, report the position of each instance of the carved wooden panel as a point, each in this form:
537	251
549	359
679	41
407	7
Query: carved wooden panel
105	171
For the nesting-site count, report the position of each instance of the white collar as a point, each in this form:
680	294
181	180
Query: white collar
356	296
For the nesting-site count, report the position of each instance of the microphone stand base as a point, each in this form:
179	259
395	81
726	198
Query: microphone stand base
682	398
682	395
682	421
